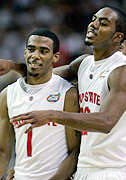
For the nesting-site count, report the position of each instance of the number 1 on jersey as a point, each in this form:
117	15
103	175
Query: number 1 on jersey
29	144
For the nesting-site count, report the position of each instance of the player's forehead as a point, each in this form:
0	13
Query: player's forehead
107	13
40	41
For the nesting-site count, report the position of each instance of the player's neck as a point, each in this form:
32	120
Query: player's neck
100	54
34	80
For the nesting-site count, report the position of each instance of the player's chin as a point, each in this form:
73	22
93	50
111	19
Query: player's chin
88	42
33	74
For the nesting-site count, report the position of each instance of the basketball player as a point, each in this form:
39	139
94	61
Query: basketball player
50	151
102	94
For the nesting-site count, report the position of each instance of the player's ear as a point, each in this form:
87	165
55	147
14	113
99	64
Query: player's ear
118	36
56	57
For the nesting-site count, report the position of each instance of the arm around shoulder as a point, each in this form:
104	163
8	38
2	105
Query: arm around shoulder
70	71
8	65
74	65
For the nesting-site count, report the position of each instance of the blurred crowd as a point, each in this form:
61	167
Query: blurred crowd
67	18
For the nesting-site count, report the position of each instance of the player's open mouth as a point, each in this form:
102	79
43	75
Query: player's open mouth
91	35
91	32
34	65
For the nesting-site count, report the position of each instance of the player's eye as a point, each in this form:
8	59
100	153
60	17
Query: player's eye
31	49
44	51
103	23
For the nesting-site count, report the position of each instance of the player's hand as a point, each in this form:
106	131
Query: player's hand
10	175
6	66
35	118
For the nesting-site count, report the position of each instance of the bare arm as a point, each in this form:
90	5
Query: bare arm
70	71
112	109
6	134
68	166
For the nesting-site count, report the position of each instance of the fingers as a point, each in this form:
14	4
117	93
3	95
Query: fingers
3	67
10	174
10	171
28	130
10	177
23	119
34	118
30	121
2	72
20	117
33	125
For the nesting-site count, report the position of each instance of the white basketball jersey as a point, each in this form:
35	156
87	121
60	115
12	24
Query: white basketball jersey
98	149
40	152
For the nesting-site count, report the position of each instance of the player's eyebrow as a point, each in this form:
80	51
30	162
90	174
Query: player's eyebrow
101	18
32	46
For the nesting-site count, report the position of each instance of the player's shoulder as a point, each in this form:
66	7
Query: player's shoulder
117	78
60	80
61	84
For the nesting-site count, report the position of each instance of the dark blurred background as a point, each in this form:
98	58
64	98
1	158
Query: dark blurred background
67	18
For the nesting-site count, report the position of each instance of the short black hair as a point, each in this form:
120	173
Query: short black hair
49	34
121	21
